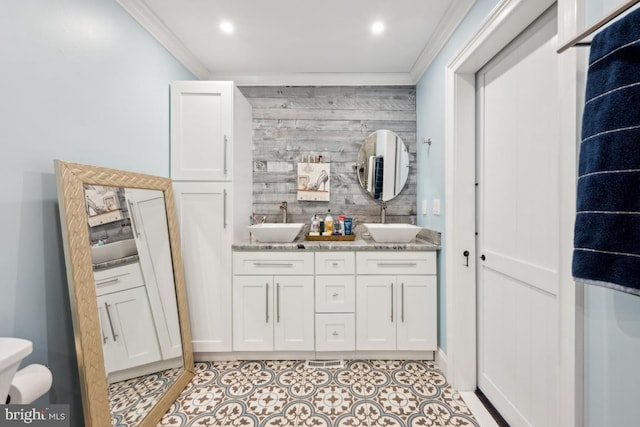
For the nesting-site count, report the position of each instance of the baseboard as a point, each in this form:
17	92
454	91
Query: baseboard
320	355
441	360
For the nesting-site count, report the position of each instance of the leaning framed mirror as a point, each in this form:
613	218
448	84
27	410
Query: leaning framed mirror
127	291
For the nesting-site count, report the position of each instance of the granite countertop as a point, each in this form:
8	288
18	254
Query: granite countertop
427	240
115	262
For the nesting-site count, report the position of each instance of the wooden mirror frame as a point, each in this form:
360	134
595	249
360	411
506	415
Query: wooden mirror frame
71	178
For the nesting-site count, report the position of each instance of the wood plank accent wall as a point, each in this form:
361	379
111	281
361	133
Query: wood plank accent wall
331	121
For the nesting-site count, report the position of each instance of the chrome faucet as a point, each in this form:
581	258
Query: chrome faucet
383	212
283	211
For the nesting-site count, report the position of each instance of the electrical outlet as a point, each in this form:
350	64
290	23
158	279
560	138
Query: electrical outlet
436	206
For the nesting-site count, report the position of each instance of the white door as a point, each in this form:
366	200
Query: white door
375	305
151	233
206	253
294	313
518	224
417	318
253	313
201	127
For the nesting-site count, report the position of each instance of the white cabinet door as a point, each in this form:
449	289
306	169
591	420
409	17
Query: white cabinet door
201	130
294	313
131	331
206	251
149	220
253	313
375	313
417	317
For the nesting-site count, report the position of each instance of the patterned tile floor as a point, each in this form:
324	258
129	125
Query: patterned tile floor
363	393
131	400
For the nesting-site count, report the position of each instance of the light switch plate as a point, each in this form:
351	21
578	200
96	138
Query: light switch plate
436	206
424	207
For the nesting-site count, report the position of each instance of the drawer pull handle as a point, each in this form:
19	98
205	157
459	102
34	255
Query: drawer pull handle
278	303
402	302
115	336
335	294
273	264
335	333
334	264
106	282
105	338
391	302
133	219
266	300
224	204
224	155
397	264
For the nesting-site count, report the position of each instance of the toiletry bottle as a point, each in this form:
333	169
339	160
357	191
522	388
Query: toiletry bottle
328	224
341	222
315	226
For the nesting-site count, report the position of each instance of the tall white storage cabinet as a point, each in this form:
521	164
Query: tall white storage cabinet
211	166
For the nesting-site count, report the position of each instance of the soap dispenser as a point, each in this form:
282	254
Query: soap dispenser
315	226
328	224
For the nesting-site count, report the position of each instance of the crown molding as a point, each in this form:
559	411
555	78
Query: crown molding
317	79
156	27
447	25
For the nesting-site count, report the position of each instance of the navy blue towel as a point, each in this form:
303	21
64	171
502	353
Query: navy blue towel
379	173
607	228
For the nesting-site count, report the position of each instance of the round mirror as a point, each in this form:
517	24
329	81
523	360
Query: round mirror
383	165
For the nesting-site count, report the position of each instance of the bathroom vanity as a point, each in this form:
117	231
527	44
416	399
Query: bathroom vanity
327	300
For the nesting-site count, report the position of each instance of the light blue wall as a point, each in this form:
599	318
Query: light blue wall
612	350
81	81
612	334
430	101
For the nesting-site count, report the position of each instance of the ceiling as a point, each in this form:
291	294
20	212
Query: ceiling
299	42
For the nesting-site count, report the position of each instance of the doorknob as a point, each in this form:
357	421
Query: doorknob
466	255
482	257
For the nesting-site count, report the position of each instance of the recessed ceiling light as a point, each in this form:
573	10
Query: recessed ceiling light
226	27
377	27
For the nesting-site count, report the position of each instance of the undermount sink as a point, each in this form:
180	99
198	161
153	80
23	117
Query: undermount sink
276	232
113	251
393	233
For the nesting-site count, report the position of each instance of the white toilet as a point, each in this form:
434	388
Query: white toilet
12	351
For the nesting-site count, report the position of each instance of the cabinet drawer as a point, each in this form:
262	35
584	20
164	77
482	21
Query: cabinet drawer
396	262
335	263
118	278
335	294
335	332
281	263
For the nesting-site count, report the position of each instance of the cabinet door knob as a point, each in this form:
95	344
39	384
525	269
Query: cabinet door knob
335	294
335	333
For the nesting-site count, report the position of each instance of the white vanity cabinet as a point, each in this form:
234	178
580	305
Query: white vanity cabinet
273	301
206	238
128	330
211	171
335	301
396	301
208	123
